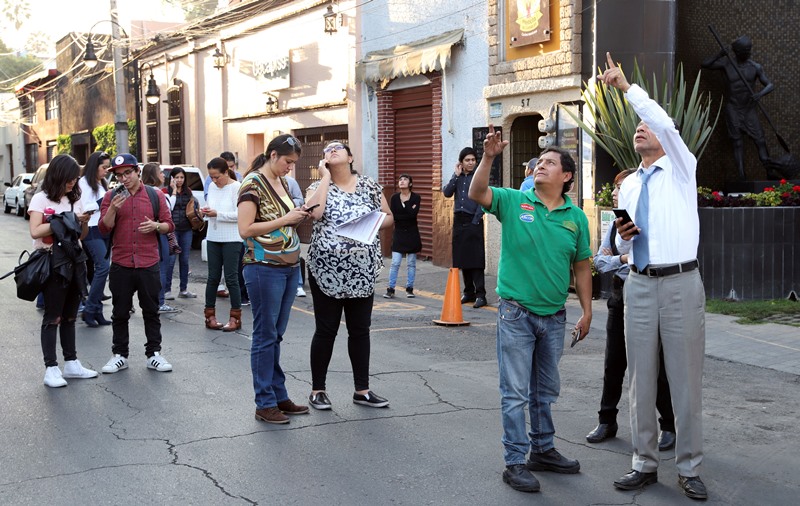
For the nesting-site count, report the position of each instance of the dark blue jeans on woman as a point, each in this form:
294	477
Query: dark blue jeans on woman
227	255
96	247
185	242
272	291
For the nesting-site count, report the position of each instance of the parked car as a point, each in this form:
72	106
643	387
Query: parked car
14	194
36	180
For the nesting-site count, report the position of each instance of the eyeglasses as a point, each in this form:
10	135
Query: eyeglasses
123	175
332	148
292	142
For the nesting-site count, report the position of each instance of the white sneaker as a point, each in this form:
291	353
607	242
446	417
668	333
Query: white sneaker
74	369
301	292
159	363
166	308
169	296
53	377
116	364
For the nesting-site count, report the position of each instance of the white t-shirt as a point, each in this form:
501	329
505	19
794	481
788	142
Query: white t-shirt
40	203
89	199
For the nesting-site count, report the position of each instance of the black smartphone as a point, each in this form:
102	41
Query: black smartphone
575	338
309	209
626	218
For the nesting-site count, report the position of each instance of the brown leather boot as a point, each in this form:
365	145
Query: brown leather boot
235	322
211	319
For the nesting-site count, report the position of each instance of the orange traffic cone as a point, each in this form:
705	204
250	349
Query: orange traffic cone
451	310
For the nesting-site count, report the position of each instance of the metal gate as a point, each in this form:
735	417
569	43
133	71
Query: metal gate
413	148
305	170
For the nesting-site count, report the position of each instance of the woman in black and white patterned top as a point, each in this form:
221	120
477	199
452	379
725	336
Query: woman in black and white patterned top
343	271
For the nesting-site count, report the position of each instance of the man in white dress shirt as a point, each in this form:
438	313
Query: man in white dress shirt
664	293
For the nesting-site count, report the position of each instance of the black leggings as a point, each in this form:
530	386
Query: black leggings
327	314
60	312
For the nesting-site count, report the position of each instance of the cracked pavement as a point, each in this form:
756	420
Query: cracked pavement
189	436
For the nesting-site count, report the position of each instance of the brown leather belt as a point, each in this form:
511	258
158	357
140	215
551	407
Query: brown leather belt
668	270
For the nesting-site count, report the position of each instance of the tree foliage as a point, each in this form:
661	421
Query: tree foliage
106	138
64	144
13	68
17	12
194	9
615	120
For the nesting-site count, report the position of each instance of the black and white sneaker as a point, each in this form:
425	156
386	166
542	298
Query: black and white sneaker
319	400
410	292
370	399
389	293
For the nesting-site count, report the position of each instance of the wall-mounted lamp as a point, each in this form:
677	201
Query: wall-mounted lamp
152	95
220	58
272	102
330	20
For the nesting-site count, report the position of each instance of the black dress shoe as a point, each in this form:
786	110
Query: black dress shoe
480	302
89	320
666	441
693	487
466	299
602	432
553	461
519	478
100	319
635	480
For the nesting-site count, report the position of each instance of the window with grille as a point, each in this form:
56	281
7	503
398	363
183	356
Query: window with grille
151	129
175	123
28	106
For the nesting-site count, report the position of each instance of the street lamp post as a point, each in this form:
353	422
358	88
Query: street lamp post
120	95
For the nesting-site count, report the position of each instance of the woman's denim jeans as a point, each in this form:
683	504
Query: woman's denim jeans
96	247
528	350
272	291
185	242
397	259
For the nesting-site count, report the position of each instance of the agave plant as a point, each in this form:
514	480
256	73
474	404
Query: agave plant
615	121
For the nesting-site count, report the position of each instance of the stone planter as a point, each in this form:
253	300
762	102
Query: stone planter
750	253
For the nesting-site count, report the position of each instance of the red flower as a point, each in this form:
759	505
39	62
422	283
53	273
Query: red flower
785	194
783	181
769	189
796	188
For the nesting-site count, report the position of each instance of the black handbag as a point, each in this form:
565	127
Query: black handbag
31	275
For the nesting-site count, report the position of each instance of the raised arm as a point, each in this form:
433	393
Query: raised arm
479	189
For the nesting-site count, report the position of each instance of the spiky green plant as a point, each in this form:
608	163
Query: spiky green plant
615	120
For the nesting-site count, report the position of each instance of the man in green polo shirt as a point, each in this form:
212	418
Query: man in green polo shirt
543	235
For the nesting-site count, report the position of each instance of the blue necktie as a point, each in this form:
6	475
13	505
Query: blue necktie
641	249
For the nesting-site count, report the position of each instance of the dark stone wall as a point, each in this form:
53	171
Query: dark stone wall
772	25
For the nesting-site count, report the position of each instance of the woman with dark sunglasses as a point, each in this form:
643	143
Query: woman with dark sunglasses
267	221
343	271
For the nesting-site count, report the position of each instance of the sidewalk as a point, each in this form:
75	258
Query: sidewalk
767	345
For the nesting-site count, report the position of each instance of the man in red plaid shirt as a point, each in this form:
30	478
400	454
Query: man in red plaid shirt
127	214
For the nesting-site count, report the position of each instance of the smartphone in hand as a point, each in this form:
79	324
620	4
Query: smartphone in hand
575	337
309	209
626	218
121	190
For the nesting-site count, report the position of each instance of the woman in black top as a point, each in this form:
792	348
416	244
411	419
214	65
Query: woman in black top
405	240
180	192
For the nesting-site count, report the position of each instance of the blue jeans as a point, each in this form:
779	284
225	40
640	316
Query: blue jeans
528	350
185	242
397	259
272	291
96	247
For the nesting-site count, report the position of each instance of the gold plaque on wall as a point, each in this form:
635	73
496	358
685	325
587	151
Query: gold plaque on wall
528	21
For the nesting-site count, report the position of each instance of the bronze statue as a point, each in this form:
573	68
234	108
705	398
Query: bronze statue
741	101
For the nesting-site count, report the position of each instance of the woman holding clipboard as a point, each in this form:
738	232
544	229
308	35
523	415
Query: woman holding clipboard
343	270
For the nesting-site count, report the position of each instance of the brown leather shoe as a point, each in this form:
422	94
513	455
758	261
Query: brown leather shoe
271	415
211	319
290	408
223	293
235	321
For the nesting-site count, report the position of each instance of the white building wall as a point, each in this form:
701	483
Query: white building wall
384	24
10	135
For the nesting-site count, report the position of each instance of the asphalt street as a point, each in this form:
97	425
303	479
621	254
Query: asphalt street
190	437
